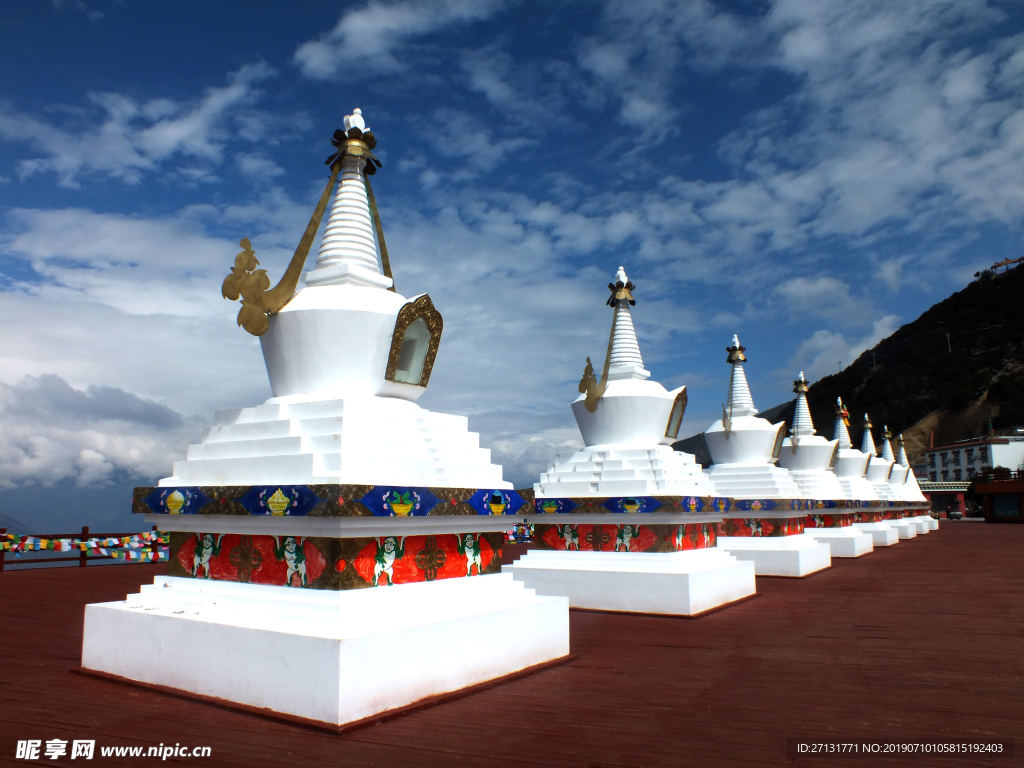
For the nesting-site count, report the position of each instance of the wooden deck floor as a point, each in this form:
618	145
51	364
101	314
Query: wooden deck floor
924	640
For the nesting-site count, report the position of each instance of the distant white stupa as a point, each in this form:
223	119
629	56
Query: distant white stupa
745	447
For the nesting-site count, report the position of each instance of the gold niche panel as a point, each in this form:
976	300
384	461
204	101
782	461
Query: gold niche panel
414	343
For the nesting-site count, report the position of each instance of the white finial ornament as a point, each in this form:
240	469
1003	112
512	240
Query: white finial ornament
620	276
355	120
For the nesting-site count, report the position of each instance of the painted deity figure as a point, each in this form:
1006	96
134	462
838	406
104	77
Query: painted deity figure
206	547
389	549
624	536
572	539
469	545
290	550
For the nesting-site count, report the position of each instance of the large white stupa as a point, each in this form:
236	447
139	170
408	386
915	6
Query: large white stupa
628	423
626	523
347	358
898	479
745	447
809	459
910	491
850	468
768	529
878	471
337	537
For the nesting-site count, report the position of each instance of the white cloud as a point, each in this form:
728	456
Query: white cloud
369	35
824	352
133	139
53	432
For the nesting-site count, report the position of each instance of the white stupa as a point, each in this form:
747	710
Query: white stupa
744	449
347	357
878	471
807	455
850	468
910	491
809	458
628	423
340	600
629	433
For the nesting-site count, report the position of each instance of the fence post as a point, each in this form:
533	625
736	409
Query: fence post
3	554
83	557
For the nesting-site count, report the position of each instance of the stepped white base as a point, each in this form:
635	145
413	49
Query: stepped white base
753	481
799	555
818	484
905	528
882	534
843	542
336	657
624	471
933	524
359	439
677	583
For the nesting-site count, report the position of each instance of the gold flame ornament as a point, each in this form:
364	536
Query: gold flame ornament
258	303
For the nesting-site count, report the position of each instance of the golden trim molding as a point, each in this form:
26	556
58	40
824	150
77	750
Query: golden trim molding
413	310
681	398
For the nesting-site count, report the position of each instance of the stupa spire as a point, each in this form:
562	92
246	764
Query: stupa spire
803	426
740	402
624	360
348	254
901	457
887	444
867	443
842	430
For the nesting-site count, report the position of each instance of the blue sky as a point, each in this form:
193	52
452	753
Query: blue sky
807	174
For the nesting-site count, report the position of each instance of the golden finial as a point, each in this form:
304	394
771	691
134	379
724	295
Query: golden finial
842	412
886	434
736	351
867	422
622	290
800	385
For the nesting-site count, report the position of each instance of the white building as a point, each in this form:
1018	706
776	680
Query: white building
966	458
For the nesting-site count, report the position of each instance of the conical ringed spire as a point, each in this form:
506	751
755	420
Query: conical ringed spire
867	443
740	402
803	426
901	457
887	445
624	360
348	253
842	430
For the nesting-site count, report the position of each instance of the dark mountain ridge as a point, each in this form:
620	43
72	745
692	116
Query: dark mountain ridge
929	385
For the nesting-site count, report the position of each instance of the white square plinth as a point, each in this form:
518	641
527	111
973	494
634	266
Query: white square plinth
882	534
905	528
798	555
335	657
933	524
846	541
675	583
920	523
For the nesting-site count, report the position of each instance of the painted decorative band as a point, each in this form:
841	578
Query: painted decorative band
329	563
829	521
626	537
761	526
327	501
